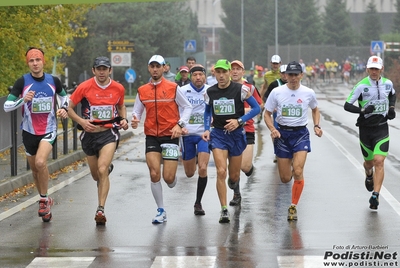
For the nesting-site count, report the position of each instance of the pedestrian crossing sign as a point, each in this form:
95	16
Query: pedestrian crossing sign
377	46
190	46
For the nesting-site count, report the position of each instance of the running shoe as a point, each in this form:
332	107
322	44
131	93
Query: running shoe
292	213
160	217
47	217
224	216
100	217
110	168
232	184
44	206
198	209
374	202
369	182
236	200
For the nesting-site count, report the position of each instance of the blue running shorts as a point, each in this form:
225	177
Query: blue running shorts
192	145
292	141
234	142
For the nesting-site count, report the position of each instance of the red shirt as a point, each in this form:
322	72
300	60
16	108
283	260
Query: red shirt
102	102
249	126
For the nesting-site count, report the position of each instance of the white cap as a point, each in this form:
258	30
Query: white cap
157	58
375	62
275	59
282	69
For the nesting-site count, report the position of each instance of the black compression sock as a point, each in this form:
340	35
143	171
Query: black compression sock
248	173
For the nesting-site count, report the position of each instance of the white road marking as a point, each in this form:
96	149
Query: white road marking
183	261
61	262
393	202
300	261
33	200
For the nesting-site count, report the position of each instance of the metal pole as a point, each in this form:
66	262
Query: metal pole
14	141
54	65
276	28
213	32
54	72
242	35
213	25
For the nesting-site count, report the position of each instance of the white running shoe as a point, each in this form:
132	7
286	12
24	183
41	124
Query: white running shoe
160	217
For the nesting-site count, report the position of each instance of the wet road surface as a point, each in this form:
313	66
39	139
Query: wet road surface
335	226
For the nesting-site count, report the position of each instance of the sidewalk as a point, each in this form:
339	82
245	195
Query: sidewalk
9	183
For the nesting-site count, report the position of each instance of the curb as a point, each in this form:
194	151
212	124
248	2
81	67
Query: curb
53	166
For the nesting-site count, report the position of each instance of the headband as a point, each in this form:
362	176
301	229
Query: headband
197	68
34	54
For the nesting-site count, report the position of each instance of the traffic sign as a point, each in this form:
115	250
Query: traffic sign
121	59
120	46
190	46
120	43
377	46
130	75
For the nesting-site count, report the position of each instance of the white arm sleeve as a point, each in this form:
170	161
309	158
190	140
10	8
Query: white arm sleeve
184	104
11	105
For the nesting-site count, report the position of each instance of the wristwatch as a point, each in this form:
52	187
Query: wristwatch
240	121
181	123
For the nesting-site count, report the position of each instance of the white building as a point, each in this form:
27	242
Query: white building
209	14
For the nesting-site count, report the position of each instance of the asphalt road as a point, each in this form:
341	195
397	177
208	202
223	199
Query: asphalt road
335	226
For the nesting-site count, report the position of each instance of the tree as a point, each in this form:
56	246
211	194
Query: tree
396	19
308	22
372	26
46	26
257	34
337	27
155	28
287	27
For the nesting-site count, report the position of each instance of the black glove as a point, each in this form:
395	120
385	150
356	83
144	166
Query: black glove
391	113
369	109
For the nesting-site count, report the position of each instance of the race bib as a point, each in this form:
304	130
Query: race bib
224	107
101	112
196	119
292	110
170	151
42	105
380	106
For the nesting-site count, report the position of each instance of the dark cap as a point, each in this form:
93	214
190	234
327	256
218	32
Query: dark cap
102	61
294	68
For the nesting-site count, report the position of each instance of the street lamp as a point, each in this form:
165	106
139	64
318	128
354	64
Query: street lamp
276	27
54	72
242	35
213	25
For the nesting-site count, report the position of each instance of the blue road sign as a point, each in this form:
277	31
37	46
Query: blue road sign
130	75
190	46
377	46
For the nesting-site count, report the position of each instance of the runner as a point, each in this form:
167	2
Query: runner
292	139
376	104
225	101
195	151
36	92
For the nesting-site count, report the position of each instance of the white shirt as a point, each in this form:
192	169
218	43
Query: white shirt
195	96
291	105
